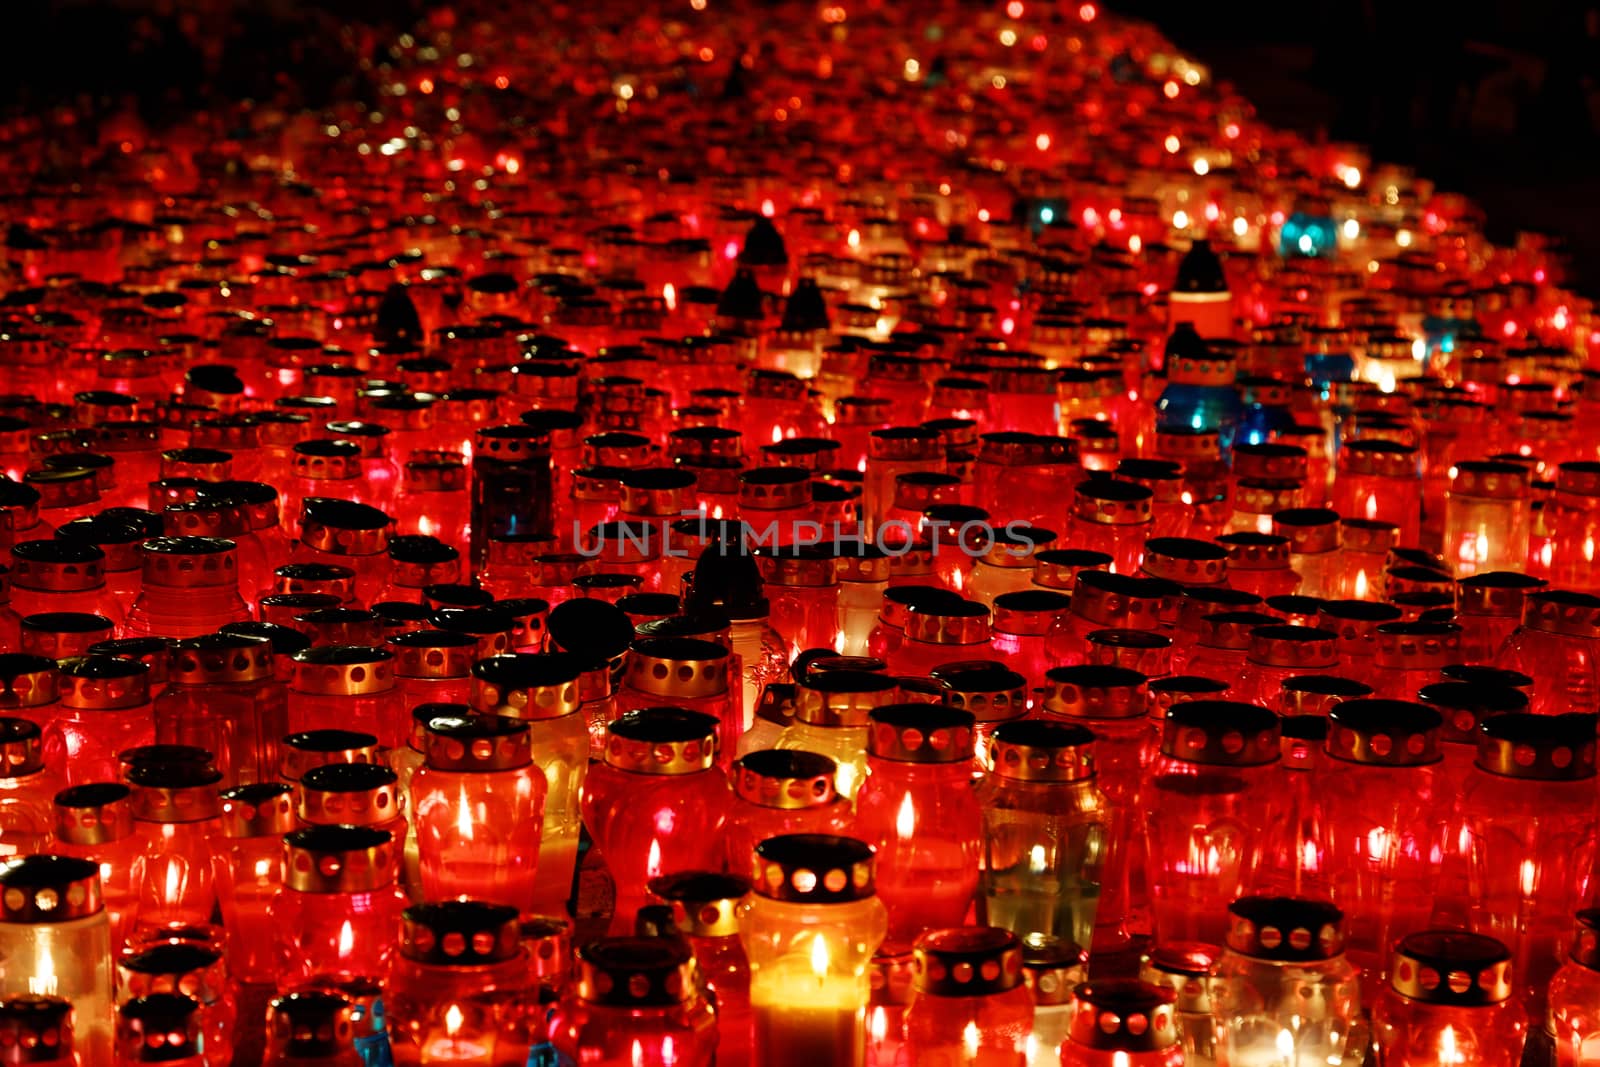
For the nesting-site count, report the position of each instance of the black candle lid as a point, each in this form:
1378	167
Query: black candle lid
813	869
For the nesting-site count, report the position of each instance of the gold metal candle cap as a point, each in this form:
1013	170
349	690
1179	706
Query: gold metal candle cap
1270	461
221	659
352	794
661	741
788	779
1390	733
1499	594
1311	531
1058	568
1451	967
95	813
1294	647
26	681
48	889
190	562
636	972
1096	692
326	459
1558	611
1249	551
176	792
1285	929
103	683
967	961
338	859
1585	949
477	743
1489	480
343	527
314	748
704	903
678	668
459	933
1182	688
528	685
1119	600
1231	630
920	733
433	654
57	566
842	698
1123	1015
813	869
1112	502
312	1026
262	809
1414	646
1356	622
330	579
1544	748
1188	969
170	1022
991	692
343	670
173	966
1221	733
1378	458
21	752
1317	694
1039	750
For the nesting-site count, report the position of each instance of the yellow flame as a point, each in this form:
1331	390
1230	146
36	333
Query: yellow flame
1448	1053
1036	859
669	293
844	780
43	982
777	435
905	823
347	939
174	882
1372	506
452	1021
1286	1046
652	865
1378	843
637	1055
1528	878
464	815
969	1038
878	1024
1361	584
819	956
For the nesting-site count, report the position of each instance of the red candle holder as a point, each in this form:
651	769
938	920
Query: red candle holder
1449	1002
337	918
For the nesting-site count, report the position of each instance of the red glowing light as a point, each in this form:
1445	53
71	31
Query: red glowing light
1087	12
1170	90
1231	131
1509	329
1014	9
425	86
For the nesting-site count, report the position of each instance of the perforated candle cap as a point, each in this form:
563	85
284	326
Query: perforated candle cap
343	670
36	1029
1096	692
48	889
306	749
1223	733
788	779
678	668
174	792
261	809
159	1027
1123	1015
102	683
703	903
1188	969
1499	594
1391	733
1451	967
661	741
1285	929
220	659
528	685
477	743
1465	705
1117	600
459	933
355	794
312	1025
1559	611
920	733
813	869
338	859
967	961
636	972
95	813
1547	748
1311	531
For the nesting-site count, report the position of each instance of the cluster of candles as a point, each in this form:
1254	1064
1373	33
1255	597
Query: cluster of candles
907	536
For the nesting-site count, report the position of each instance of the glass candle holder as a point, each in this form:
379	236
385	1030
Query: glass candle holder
968	998
1557	644
863	573
781	791
478	803
635	1002
657	802
1449	1002
60	576
1045	832
1377	480
175	807
104	708
1022	622
804	594
809	929
916	812
314	748
312	1029
352	686
417	561
1529	828
452	959
1103	600
1277	653
831	710
94	822
1207	799
27	789
222	696
1488	609
1575	520
1283	987
1486	517
511	486
1356	622
938	632
249	872
1122	1022
56	940
337	918
1112	516
1410	656
993	694
1260	563
1221	644
1201	393
890	453
543	689
353	794
705	912
1313	535
1575	996
189	587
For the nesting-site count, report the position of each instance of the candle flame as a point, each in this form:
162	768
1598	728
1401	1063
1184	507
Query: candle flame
1361	584
905	823
1528	878
1378	844
819	956
637	1054
1036	860
452	1021
174	882
652	865
347	939
878	1024
1372	506
969	1038
1286	1046
43	982
669	293
777	435
464	815
1448	1053
844	780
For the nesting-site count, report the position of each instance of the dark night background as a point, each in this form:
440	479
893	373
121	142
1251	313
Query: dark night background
1497	98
